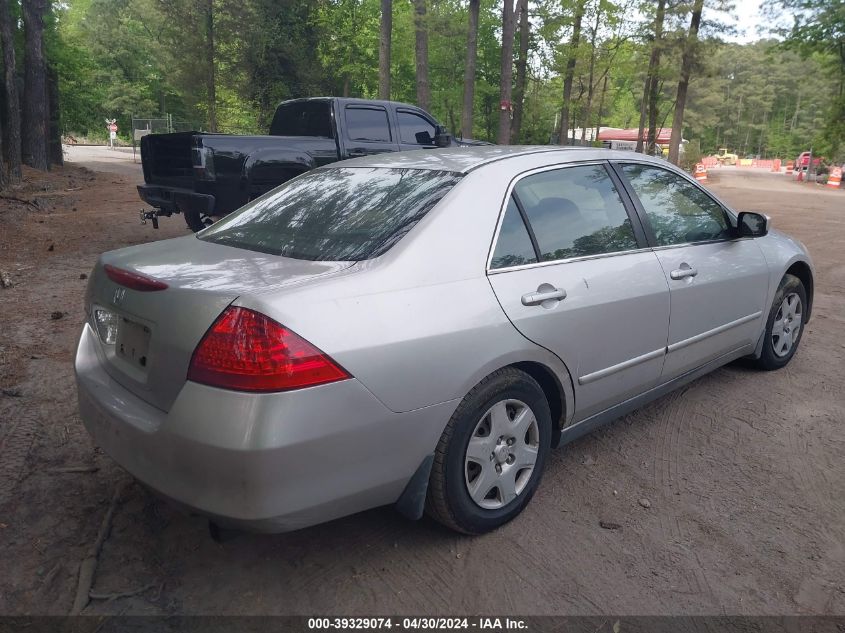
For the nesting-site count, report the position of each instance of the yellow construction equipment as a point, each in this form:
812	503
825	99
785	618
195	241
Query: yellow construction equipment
725	157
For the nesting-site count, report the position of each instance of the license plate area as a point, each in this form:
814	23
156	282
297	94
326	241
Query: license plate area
133	344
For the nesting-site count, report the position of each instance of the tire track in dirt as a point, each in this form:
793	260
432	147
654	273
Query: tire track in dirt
687	427
665	457
14	449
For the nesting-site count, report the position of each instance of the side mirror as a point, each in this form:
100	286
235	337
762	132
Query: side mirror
424	138
442	138
751	224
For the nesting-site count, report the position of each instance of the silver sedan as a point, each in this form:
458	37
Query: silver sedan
421	329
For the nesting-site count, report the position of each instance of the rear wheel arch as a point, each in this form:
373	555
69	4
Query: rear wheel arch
411	502
553	390
801	270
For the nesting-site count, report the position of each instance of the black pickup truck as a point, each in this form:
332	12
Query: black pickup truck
209	175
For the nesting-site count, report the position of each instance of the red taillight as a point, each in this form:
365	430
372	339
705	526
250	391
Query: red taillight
134	281
247	351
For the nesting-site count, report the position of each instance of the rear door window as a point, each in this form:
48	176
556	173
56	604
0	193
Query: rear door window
335	214
575	212
367	124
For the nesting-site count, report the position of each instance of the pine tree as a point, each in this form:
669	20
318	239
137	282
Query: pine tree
11	128
469	69
385	37
34	145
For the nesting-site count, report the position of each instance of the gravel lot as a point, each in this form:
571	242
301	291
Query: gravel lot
743	471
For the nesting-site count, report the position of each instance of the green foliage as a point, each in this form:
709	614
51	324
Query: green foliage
118	58
817	32
758	99
691	155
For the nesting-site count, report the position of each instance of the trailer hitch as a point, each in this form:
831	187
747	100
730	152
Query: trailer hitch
151	214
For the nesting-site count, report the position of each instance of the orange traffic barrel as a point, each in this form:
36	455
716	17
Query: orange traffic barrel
776	165
835	178
790	166
700	172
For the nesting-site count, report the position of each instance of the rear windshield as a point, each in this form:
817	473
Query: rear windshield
336	214
303	118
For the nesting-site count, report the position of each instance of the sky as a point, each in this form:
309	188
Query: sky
749	19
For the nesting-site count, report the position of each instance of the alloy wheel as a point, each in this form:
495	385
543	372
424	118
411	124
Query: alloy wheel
787	325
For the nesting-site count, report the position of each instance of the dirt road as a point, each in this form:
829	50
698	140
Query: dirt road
120	160
743	470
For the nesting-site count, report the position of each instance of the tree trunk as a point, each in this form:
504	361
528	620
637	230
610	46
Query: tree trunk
211	83
12	113
748	132
590	87
4	167
54	132
643	114
521	69
600	113
570	72
794	122
469	69
384	49
654	71
421	28
683	83
506	80
34	146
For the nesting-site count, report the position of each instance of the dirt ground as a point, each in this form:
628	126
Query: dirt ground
743	471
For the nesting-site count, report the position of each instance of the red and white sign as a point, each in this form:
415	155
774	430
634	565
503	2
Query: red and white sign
113	127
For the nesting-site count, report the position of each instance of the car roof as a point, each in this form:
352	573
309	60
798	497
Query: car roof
466	159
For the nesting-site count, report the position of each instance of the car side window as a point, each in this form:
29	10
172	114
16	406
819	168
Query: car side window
513	247
678	211
575	212
367	124
415	129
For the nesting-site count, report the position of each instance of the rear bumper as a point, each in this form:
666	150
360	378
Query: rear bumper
265	462
176	199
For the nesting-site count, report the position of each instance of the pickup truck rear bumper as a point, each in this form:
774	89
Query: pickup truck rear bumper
174	199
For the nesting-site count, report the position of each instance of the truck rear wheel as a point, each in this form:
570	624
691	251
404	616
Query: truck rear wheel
196	220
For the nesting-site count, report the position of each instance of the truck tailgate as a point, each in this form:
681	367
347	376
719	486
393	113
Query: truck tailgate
167	159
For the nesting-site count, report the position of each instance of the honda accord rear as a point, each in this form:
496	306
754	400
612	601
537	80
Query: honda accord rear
192	374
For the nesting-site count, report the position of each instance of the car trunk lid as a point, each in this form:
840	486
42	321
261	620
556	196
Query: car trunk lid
158	330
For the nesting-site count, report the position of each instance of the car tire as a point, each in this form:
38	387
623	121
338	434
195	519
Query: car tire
785	325
472	494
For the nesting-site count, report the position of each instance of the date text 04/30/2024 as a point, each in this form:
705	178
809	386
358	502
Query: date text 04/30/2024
418	623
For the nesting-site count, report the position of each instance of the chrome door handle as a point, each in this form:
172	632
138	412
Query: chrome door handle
542	294
683	272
